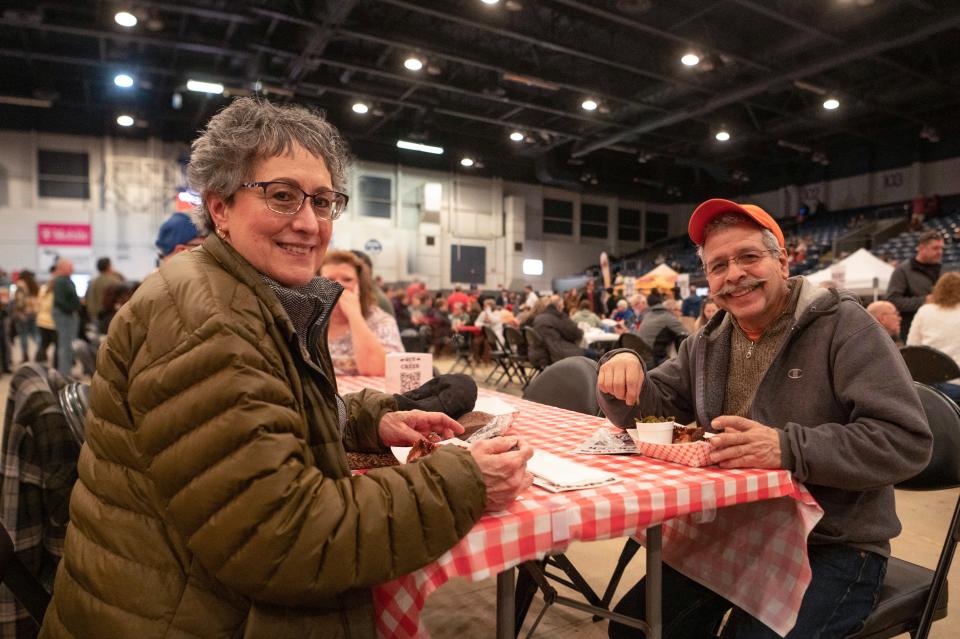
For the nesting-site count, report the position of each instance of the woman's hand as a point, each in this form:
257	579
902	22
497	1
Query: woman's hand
504	469
349	305
406	427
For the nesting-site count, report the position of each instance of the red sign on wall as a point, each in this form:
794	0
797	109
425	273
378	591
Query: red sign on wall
64	235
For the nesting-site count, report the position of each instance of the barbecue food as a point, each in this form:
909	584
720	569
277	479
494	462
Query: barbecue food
423	447
686	434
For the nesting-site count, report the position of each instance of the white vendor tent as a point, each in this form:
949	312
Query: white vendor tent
856	273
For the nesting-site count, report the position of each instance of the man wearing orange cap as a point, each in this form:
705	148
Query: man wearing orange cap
792	376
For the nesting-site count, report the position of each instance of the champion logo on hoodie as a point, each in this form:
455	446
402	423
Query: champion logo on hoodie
795	373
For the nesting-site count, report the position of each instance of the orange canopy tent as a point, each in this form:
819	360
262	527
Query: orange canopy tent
662	277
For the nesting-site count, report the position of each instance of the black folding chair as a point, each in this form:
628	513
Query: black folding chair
929	365
463	346
26	588
913	597
517	348
501	358
571	384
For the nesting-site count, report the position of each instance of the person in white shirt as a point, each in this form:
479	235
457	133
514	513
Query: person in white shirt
935	325
532	297
490	316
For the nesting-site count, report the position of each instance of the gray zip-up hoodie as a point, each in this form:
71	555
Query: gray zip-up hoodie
851	424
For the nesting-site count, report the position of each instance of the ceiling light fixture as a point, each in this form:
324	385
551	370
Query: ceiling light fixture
416	146
467	162
517	136
205	87
690	59
831	103
125	19
123	80
490	2
413	63
360	107
125	120
722	135
589	104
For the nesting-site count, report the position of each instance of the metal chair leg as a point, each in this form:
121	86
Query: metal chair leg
630	549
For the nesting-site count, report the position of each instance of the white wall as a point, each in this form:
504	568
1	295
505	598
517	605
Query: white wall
133	183
869	189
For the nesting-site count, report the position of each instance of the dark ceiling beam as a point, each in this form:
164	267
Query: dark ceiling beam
782	18
200	12
660	33
699	13
407	80
281	17
874	47
384	119
85	62
126	37
508	125
319	40
773	14
520	37
479	64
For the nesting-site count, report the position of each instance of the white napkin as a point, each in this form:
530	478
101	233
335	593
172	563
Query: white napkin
558	474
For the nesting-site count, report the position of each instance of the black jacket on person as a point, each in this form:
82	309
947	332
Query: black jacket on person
909	285
659	329
560	337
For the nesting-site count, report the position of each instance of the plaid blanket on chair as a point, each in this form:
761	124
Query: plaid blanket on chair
39	468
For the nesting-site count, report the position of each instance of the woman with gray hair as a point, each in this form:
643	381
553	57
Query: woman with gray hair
214	496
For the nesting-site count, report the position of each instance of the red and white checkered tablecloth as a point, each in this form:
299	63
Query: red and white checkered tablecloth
753	552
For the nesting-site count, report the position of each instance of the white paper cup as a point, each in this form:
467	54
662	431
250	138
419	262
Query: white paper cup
655	433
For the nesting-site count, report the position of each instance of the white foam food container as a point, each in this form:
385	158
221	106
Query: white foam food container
653	433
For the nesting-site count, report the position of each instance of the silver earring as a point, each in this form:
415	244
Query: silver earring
220	233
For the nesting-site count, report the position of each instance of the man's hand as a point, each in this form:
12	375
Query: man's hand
406	427
744	443
504	469
622	377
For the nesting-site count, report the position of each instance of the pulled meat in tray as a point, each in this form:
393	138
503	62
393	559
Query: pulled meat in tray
686	434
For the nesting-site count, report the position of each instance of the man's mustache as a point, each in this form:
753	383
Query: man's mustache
745	283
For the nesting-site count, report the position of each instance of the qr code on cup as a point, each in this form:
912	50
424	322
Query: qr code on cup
409	381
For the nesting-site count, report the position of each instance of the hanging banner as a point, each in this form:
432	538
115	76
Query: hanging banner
605	269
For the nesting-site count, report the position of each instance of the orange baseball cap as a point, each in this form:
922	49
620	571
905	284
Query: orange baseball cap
718	206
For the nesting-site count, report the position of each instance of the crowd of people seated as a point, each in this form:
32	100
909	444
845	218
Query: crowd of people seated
372	318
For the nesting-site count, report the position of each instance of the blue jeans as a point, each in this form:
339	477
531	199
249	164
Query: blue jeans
843	591
68	325
950	390
26	329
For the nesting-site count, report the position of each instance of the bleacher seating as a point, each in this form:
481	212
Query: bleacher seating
819	232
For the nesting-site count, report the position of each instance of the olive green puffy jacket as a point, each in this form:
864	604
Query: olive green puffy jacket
214	497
